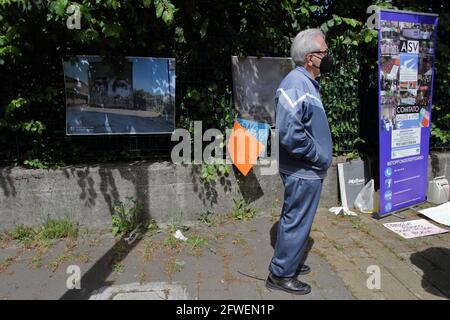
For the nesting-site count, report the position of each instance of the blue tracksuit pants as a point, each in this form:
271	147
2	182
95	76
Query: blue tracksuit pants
301	199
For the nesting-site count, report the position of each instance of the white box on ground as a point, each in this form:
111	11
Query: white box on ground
438	190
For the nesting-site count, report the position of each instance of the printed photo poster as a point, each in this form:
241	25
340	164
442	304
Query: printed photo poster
255	81
406	51
131	95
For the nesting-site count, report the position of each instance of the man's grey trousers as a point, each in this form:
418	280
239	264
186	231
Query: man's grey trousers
301	199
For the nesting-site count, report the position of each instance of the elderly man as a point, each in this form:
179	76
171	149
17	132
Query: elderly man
304	157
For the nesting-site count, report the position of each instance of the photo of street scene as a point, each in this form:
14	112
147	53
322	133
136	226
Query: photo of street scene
390	30
389	47
416	31
408	97
388	98
131	96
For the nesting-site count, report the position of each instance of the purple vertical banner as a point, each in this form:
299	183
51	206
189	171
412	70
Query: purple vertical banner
406	52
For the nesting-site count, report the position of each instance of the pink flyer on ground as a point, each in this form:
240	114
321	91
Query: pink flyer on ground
414	228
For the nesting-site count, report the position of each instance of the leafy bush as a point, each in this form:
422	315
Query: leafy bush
51	229
201	36
242	210
126	216
23	234
210	172
58	229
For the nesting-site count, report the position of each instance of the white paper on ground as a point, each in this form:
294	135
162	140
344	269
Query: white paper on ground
440	214
342	210
179	236
414	228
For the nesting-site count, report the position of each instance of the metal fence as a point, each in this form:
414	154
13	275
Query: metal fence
199	73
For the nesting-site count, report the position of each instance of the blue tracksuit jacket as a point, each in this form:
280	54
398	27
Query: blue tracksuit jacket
304	134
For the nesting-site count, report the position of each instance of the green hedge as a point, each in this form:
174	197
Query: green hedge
201	35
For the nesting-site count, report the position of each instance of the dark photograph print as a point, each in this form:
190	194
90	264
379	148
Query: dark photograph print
133	95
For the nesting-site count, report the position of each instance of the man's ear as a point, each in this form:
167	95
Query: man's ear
308	60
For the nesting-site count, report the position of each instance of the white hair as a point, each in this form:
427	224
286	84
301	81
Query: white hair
304	43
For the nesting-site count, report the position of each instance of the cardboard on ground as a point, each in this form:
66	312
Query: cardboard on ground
440	214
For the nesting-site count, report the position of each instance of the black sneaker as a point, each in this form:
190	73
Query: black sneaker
290	285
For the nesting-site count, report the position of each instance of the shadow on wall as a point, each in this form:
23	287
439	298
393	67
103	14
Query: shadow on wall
435	265
138	175
85	182
207	190
89	191
7	182
131	172
249	185
439	165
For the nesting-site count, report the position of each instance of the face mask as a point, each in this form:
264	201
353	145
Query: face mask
326	65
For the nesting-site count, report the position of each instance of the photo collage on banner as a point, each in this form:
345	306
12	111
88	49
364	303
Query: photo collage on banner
406	68
406	57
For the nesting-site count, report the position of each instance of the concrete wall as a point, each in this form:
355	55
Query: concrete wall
87	194
440	165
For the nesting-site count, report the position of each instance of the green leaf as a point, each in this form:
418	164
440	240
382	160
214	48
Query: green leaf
179	35
159	10
304	11
351	22
167	17
112	30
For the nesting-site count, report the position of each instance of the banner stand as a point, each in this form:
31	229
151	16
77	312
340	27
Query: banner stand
406	54
396	213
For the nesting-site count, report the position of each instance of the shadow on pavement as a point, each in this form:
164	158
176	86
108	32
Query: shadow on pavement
95	277
435	264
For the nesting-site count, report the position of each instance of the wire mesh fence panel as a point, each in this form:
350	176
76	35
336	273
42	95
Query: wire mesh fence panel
203	92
